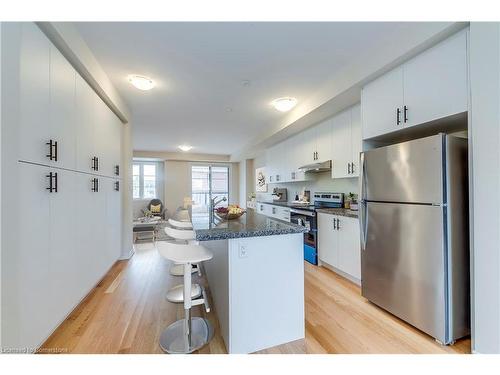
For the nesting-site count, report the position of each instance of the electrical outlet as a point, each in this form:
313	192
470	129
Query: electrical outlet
243	251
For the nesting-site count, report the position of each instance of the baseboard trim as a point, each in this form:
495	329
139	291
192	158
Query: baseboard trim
127	256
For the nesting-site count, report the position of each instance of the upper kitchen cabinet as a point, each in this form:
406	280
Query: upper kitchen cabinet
435	82
346	143
382	102
34	95
428	87
323	141
62	111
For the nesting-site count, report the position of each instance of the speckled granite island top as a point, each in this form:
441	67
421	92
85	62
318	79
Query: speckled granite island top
251	224
339	211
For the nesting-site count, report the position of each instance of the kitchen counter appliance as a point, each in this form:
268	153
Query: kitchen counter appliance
306	216
414	233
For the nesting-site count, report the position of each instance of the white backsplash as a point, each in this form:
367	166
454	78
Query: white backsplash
321	182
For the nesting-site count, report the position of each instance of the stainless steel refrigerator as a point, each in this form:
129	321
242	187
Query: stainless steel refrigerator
414	233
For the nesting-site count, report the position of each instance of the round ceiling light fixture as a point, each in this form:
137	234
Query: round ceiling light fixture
185	148
284	104
141	82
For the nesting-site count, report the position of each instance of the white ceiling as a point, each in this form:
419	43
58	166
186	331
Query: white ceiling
199	69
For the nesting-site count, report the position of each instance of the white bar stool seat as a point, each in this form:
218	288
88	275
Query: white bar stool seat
180	224
182	235
191	333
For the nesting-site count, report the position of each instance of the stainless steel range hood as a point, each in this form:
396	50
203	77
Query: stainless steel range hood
317	167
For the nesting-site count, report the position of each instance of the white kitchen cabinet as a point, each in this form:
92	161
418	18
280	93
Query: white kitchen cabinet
264	209
112	189
338	244
85	125
349	256
62	260
323	135
356	140
296	151
346	143
27	308
327	240
62	110
60	244
382	103
34	94
341	145
435	82
428	87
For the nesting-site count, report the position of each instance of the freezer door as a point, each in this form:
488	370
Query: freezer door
402	264
409	172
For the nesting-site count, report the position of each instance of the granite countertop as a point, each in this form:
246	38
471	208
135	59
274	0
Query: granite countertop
339	211
250	224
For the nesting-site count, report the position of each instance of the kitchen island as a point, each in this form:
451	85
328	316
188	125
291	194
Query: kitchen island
256	278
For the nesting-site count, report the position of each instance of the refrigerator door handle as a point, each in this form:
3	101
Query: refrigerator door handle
362	176
363	224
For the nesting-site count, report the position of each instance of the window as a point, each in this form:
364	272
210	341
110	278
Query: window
208	182
144	178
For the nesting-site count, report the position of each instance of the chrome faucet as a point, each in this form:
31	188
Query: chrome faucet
213	204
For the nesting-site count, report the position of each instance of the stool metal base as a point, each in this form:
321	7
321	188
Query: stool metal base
178	270
176	294
173	339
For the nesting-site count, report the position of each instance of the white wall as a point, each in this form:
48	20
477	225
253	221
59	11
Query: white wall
484	132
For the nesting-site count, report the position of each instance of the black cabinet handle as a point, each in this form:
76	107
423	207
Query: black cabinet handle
96	163
405	116
95	185
117	185
398	116
52	155
52	182
117	170
50	188
334	227
55	180
93	163
338	224
348	168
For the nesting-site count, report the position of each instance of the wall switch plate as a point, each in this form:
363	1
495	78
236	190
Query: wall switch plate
243	253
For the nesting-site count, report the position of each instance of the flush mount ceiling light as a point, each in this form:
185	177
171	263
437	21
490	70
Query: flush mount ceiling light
185	148
284	104
141	82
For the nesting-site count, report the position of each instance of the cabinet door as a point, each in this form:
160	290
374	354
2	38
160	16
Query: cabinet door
308	147
117	145
34	95
349	247
380	100
356	142
86	244
324	141
279	162
33	294
62	109
85	112
435	82
327	240
62	254
296	150
103	137
113	220
341	145
270	165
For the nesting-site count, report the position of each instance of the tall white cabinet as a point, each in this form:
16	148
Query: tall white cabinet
61	187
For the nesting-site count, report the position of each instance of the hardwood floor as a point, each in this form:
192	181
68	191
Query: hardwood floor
127	312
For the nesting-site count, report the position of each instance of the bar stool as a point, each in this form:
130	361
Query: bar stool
186	236
180	224
190	333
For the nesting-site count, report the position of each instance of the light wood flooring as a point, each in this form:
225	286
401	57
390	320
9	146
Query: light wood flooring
127	312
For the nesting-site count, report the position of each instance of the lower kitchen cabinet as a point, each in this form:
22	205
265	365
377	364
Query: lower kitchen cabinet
338	244
62	236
